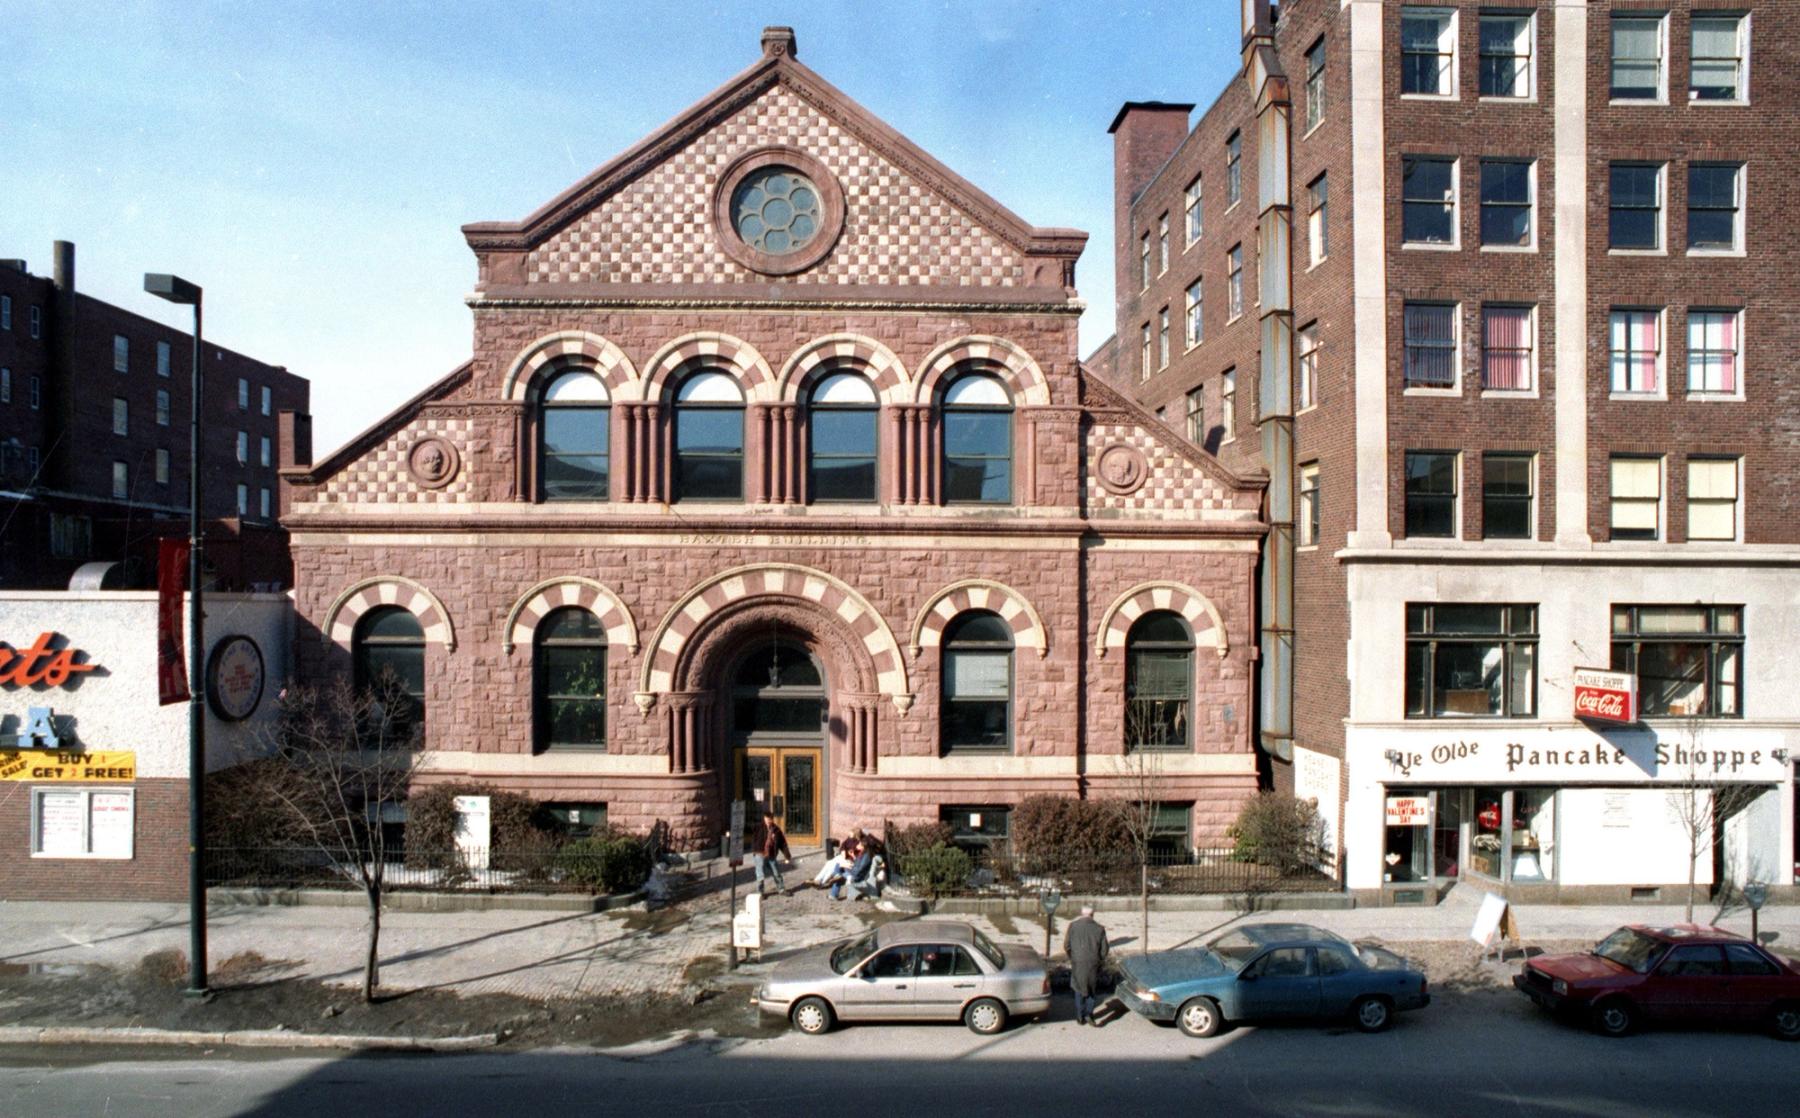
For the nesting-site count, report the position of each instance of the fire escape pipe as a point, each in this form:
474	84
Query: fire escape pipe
1275	382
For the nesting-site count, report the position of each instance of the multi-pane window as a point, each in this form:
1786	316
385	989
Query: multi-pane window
1637	56
1471	661
1162	244
1714	352
1712	499
977	687
1228	403
1430	335
35	321
1715	206
1234	281
1307	515
1506	204
121	416
1506	344
570	663
1306	389
977	442
1171	834
1505	54
573	455
1191	210
1716	65
1428	51
1506	496
121	354
1431	493
162	466
1162	338
121	487
709	439
162	407
162	359
1144	260
1315	85
1159	682
243	394
1636	497
1689	660
243	448
268	400
264	457
1196	416
1635	217
1196	328
1144	354
1234	166
35	395
1318	230
388	650
1428	200
1635	342
843	414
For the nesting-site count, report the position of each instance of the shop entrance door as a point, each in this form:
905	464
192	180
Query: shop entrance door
784	780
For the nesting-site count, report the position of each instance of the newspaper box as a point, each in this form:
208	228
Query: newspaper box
747	926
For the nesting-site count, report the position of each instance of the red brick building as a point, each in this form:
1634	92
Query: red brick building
775	475
1499	298
94	410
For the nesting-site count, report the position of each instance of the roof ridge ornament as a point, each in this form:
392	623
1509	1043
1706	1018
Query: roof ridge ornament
778	42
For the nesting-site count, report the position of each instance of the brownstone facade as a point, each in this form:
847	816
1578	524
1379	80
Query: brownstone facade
914	282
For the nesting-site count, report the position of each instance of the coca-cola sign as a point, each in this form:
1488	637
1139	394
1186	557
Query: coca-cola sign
1605	696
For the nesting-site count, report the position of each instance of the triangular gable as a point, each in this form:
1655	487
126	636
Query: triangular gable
1162	473
351	461
644	217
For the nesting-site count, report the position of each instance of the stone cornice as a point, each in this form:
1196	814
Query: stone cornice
955	301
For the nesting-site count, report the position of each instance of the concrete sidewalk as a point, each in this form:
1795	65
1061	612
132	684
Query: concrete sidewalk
633	952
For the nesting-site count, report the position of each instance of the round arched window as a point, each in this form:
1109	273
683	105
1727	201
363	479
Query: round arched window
776	210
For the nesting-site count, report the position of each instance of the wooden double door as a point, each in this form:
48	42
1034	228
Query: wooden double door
784	779
778	735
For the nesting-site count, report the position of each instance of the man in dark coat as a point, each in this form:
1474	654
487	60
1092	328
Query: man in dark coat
1085	944
770	843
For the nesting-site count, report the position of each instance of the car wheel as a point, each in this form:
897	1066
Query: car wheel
985	1016
1614	1017
1785	1021
1372	1014
812	1016
1199	1017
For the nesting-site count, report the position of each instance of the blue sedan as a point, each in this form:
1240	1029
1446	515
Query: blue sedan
1271	972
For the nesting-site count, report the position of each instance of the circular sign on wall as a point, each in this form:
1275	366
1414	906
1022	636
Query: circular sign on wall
234	678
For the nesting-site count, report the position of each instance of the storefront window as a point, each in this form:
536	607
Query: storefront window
1471	661
1689	660
1487	846
1514	834
1408	843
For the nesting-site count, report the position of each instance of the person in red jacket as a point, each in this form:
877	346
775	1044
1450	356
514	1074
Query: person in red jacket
770	843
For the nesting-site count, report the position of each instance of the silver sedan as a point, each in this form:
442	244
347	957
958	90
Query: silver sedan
911	971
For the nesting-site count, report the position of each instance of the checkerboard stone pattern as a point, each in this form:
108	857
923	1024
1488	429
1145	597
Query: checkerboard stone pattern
658	229
1173	484
380	475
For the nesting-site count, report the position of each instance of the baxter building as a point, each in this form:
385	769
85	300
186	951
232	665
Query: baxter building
774	476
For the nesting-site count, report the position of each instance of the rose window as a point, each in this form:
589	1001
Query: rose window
776	210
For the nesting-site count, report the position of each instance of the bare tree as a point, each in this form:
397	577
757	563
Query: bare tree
1701	807
343	756
1143	790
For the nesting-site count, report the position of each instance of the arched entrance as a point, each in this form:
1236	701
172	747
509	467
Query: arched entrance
777	729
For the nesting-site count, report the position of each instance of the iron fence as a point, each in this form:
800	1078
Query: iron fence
475	871
1000	871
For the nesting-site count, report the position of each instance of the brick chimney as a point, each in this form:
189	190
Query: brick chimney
1145	134
293	439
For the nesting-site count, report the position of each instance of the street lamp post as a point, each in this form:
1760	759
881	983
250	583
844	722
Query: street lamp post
177	290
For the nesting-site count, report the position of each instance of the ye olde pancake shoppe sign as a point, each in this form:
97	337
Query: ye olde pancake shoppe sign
1582	757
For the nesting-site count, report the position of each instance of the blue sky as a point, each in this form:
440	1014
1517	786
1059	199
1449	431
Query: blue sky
311	164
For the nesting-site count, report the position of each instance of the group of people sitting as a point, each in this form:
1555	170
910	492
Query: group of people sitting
859	863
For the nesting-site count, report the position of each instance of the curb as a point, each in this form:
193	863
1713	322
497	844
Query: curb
421	901
1198	902
254	1038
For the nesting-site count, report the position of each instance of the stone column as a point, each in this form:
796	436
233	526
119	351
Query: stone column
689	729
860	712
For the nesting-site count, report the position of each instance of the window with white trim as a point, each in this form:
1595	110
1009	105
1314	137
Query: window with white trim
1507	203
82	822
121	481
1428	52
243	394
1431	494
36	321
1715	352
1195	328
1506	54
1431	350
1306	525
1162	244
1507	496
1506	349
1635	341
121	354
1689	659
1318	230
121	416
1719	51
1144	261
1639	57
1234	168
1162	338
268	400
1428	200
1144	365
1637	494
1191	210
1715	207
162	359
243	448
1635	206
1234	283
1196	415
1228	403
1712	498
1315	85
1306	389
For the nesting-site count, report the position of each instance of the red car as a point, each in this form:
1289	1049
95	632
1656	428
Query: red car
1677	975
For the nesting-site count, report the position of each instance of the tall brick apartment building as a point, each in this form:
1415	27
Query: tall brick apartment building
774	476
1501	300
94	407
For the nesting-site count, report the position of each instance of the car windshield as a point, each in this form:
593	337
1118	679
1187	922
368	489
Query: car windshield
1235	948
847	955
986	946
1629	948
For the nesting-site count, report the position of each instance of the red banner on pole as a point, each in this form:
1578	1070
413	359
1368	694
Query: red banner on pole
171	659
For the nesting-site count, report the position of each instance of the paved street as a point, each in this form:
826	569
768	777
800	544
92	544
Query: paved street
1482	1054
